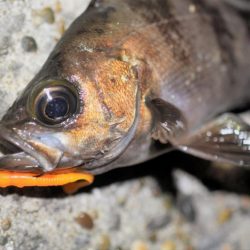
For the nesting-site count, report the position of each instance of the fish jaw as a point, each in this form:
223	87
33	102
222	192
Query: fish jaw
30	154
35	164
49	153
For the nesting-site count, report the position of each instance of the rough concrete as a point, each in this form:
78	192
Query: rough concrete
134	214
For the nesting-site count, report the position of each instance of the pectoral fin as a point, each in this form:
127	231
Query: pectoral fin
227	139
169	121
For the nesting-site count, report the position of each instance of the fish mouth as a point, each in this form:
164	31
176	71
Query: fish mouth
21	156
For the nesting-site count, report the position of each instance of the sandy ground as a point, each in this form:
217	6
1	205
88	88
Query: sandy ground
127	209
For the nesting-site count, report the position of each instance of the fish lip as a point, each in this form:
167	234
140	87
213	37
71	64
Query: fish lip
27	153
19	162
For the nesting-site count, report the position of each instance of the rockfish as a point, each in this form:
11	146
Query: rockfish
126	76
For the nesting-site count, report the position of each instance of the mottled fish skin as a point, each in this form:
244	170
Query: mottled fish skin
198	58
120	55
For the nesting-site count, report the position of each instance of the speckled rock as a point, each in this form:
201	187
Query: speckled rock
132	214
42	22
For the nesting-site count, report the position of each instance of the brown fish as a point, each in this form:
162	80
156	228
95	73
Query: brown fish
130	73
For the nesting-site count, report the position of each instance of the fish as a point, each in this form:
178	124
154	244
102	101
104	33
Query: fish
129	81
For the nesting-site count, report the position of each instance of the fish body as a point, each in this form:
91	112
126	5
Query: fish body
128	74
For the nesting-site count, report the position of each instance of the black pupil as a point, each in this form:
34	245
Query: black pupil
56	108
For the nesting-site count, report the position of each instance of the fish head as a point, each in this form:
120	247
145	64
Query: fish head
80	110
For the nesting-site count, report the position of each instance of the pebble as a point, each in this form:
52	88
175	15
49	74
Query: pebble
227	247
6	224
104	242
114	222
159	222
81	240
168	245
139	245
224	215
153	237
3	240
188	185
85	221
58	7
45	15
61	27
29	44
186	207
4	45
245	205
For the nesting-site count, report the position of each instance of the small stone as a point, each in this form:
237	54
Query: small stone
139	245
29	44
168	245
85	221
114	222
153	237
168	202
224	215
93	214
45	15
187	184
48	15
4	45
3	240
6	224
61	27
245	205
159	222
81	240
104	242
227	247
58	7
186	207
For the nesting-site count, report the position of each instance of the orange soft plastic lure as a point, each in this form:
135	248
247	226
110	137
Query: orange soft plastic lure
70	180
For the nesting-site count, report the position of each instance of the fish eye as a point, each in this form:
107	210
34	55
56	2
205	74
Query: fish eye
54	102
